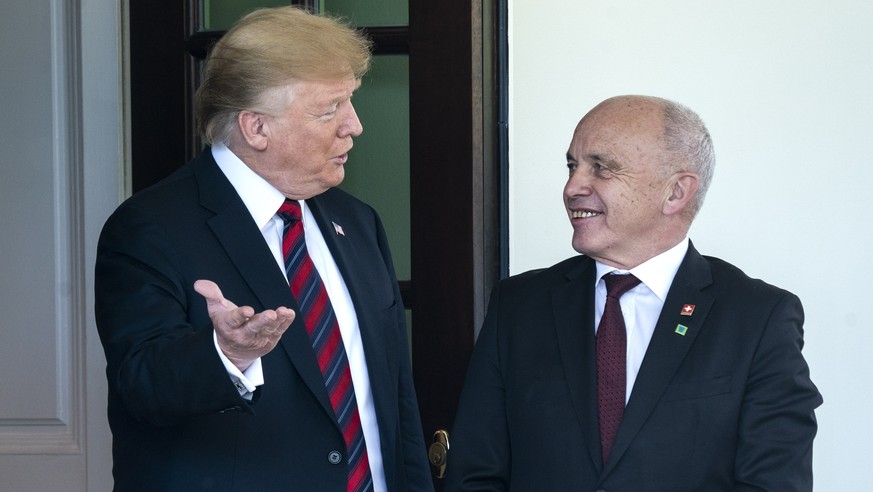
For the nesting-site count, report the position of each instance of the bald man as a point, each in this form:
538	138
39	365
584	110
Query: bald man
688	377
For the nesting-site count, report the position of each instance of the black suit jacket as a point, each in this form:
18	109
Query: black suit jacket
178	422
728	405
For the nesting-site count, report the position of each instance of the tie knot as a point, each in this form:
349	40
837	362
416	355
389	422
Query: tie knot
617	285
290	210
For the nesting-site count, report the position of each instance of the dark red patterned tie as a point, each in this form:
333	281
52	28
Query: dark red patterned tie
327	342
612	360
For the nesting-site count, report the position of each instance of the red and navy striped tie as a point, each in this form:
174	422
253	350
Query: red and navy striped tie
323	329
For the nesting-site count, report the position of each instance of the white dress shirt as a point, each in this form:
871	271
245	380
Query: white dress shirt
263	201
641	306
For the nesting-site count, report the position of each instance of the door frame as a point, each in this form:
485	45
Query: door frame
458	188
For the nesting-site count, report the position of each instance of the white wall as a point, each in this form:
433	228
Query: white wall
784	87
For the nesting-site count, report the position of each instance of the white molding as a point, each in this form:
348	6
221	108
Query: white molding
61	434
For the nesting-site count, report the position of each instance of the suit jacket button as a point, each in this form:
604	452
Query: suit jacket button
334	457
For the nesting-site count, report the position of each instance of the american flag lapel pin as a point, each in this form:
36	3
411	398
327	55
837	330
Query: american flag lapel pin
338	229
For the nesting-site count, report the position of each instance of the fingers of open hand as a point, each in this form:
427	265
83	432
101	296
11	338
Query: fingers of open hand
253	335
269	325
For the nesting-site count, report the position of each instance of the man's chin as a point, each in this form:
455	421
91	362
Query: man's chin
584	245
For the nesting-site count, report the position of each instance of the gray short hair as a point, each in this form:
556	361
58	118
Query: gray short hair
687	140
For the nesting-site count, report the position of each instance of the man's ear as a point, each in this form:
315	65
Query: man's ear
682	189
253	128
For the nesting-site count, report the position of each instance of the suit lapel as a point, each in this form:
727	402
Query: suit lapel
354	273
674	334
341	247
242	240
573	308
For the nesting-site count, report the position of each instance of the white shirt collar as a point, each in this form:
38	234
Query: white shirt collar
656	273
260	197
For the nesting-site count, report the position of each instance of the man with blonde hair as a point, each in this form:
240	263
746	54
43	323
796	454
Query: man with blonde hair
249	311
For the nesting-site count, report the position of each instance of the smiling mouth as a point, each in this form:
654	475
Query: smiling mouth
583	214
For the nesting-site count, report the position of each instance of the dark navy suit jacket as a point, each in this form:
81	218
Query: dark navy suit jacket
724	405
178	422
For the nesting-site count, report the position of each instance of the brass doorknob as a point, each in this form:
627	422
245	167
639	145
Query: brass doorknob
439	452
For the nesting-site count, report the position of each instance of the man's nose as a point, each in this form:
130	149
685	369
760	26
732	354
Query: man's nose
578	183
352	125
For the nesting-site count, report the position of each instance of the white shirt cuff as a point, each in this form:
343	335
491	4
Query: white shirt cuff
246	382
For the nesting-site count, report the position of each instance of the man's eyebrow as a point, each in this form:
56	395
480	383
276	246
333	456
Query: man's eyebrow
601	158
591	157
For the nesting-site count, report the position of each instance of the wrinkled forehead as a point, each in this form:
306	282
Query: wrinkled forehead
629	133
623	121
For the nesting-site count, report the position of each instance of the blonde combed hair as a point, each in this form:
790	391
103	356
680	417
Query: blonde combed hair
267	50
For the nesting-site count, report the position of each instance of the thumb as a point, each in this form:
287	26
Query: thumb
214	298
